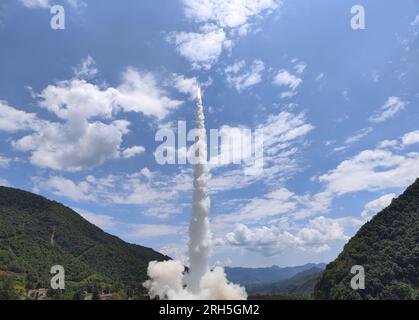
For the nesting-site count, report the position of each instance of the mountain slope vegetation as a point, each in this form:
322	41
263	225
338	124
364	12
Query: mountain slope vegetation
388	249
36	233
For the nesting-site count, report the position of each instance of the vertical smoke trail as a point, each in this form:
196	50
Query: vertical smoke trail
167	279
199	229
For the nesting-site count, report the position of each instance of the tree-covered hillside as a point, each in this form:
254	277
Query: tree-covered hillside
388	249
36	234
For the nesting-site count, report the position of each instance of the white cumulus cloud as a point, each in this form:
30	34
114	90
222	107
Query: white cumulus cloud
87	133
201	49
13	120
411	138
75	145
314	236
372	170
220	22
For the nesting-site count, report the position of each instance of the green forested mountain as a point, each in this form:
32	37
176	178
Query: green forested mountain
388	249
36	234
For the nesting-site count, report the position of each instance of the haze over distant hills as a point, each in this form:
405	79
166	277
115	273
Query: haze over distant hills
299	286
245	276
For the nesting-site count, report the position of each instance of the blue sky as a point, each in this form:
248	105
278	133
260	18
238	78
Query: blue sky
80	107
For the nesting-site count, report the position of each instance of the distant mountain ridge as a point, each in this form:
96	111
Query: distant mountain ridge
300	285
36	233
388	249
246	276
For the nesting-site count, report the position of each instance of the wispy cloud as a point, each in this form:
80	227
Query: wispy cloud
246	79
130	230
359	135
228	13
154	194
415	21
36	3
389	110
4	161
377	205
285	79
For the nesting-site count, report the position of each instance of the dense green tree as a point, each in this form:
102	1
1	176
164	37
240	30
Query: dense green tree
95	294
7	290
79	295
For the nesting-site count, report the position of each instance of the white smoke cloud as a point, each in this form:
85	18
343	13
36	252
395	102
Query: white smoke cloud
168	279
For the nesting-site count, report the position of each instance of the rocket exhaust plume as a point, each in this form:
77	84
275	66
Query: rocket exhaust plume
199	229
168	279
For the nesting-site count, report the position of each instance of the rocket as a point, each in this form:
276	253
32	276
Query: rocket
198	94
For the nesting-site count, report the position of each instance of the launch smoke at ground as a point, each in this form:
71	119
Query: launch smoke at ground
169	279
